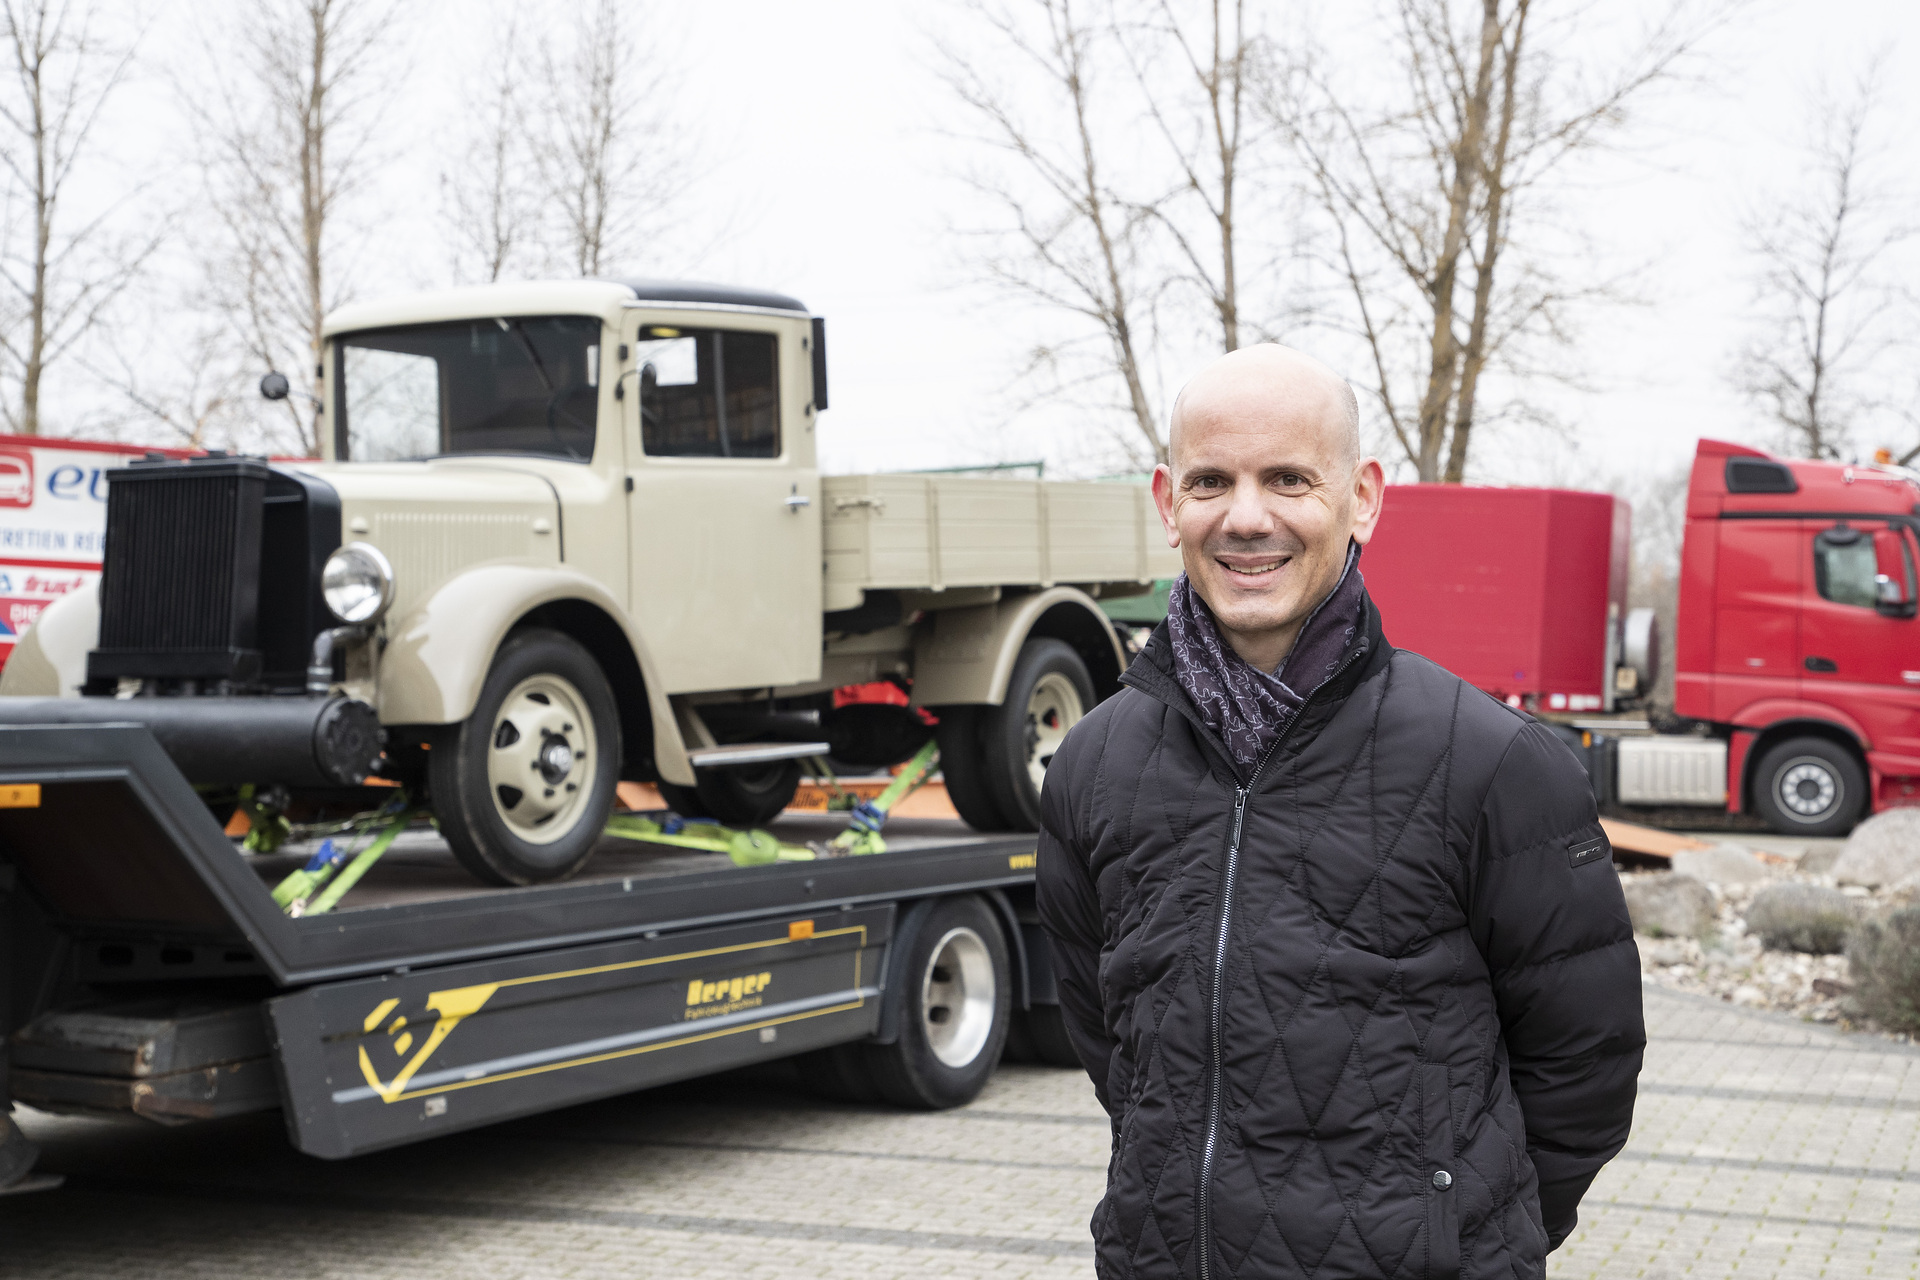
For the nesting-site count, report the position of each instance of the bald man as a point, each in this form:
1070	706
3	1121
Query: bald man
1337	936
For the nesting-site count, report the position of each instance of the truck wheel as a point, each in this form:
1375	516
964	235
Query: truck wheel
1049	692
744	797
963	768
1043	1034
1810	787
954	987
523	787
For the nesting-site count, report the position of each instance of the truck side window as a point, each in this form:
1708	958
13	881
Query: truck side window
681	416
1844	567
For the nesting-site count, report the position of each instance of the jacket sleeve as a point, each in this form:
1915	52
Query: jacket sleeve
1549	917
1070	912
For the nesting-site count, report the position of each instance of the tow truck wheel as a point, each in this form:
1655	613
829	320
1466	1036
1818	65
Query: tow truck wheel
523	787
1041	1032
954	992
1810	787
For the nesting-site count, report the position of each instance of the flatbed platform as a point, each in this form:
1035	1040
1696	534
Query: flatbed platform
171	985
420	868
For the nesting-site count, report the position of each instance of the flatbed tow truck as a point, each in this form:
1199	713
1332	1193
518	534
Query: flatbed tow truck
563	537
151	973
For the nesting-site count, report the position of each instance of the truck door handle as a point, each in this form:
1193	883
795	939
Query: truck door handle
1827	665
797	501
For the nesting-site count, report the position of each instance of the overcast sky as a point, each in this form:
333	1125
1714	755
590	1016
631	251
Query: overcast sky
827	163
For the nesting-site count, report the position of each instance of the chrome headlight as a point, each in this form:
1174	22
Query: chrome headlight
357	583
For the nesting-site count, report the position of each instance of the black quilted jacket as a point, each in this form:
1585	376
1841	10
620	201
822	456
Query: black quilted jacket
1373	1010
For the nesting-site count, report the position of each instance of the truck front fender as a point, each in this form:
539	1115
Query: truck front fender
437	656
1764	714
50	660
967	655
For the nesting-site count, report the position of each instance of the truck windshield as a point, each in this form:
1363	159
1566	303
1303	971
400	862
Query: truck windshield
517	384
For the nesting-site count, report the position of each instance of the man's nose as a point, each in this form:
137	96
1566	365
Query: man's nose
1247	512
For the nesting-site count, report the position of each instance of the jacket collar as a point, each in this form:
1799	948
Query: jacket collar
1151	672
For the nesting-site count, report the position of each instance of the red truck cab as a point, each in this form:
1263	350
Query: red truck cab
1797	637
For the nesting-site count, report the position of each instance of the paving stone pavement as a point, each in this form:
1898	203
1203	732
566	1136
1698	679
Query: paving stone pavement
1762	1147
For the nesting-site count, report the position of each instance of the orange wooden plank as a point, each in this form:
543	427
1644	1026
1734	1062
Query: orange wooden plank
1632	838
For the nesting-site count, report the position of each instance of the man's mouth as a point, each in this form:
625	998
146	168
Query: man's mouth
1255	569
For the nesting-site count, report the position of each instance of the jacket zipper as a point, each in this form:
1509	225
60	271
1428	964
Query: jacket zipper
1240	797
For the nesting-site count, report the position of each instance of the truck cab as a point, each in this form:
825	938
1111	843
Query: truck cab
1797	636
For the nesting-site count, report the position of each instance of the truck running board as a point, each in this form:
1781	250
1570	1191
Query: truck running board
753	753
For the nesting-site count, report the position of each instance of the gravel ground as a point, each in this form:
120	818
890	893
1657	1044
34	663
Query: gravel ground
1732	966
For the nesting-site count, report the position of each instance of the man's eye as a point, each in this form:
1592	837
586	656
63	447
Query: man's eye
1291	480
1207	482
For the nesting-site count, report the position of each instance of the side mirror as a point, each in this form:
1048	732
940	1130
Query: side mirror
1893	585
275	386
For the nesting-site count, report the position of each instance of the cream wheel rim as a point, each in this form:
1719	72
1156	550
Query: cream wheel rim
541	756
1053	708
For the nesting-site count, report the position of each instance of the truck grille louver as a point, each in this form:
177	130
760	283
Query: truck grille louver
182	564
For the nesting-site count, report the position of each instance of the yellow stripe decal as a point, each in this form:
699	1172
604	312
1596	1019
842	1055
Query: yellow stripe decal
456	1004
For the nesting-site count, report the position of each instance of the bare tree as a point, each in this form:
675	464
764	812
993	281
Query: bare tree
612	163
1205	130
1428	193
291	136
65	70
1831	314
184	384
491	204
1070	240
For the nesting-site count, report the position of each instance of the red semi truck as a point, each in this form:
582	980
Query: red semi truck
1797	663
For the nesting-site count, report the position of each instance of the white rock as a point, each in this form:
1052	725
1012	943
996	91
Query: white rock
1883	849
1723	864
1665	905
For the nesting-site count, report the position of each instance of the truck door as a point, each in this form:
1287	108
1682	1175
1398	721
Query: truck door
1859	645
1757	612
725	534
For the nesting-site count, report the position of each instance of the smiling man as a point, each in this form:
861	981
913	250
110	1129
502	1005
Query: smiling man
1337	936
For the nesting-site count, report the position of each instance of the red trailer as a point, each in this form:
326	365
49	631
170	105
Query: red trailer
1521	592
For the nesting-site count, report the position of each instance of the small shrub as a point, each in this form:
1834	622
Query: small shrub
1884	959
1801	917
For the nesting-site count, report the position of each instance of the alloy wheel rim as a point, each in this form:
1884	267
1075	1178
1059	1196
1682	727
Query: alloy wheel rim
541	757
957	997
1053	708
1808	789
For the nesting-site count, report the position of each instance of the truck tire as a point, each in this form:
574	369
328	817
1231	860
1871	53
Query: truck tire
1810	787
1048	693
1040	1031
522	789
954	988
742	797
963	767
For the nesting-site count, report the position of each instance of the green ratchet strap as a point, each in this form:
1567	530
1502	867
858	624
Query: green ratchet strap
862	835
296	894
746	848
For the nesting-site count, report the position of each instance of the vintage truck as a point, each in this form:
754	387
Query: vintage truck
565	534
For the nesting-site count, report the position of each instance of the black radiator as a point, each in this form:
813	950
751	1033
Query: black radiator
211	572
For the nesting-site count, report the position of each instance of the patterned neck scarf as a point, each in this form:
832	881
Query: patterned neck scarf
1250	708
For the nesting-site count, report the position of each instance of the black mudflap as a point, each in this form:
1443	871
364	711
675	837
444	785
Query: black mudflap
375	1062
172	1059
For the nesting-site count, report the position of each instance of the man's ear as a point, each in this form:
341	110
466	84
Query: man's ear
1369	492
1163	502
